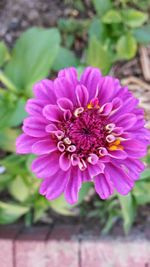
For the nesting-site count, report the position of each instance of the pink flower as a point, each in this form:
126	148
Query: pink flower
87	129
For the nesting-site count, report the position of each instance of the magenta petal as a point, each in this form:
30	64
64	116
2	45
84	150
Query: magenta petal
118	154
117	104
96	169
64	162
90	79
122	182
44	90
64	104
44	146
63	88
108	86
134	166
44	166
106	109
126	120
52	113
53	186
73	186
35	106
70	74
51	128
24	144
103	185
86	177
134	148
35	126
82	95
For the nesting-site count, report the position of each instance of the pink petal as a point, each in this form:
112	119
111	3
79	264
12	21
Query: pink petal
70	74
95	169
51	128
86	177
103	185
118	154
90	79
134	148
24	144
64	162
82	95
64	104
52	113
35	126
35	106
44	90
122	182
64	88
134	166
106	109
108	86
44	146
53	186
73	186
44	166
126	121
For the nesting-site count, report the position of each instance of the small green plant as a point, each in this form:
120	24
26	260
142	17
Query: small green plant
115	33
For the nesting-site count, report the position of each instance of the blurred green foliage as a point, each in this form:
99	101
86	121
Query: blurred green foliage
112	34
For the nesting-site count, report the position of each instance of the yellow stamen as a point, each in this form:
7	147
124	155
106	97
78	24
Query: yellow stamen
94	103
116	142
115	145
89	106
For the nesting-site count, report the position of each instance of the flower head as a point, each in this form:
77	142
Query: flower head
84	130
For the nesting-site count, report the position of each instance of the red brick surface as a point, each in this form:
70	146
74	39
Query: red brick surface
115	253
7	236
63	247
30	247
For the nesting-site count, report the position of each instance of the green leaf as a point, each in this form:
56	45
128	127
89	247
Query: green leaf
5	113
134	18
112	16
97	29
141	192
128	209
60	206
10	212
98	56
4	180
18	114
40	206
4	53
15	164
65	58
12	112
19	189
102	6
84	191
142	34
8	139
145	175
33	56
126	47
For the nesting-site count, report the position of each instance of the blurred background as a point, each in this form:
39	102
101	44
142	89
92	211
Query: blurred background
37	39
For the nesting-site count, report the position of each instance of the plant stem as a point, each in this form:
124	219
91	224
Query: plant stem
5	80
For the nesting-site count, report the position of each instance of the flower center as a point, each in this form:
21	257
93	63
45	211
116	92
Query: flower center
86	131
87	135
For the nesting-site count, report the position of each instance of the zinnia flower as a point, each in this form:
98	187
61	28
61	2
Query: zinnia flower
87	129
